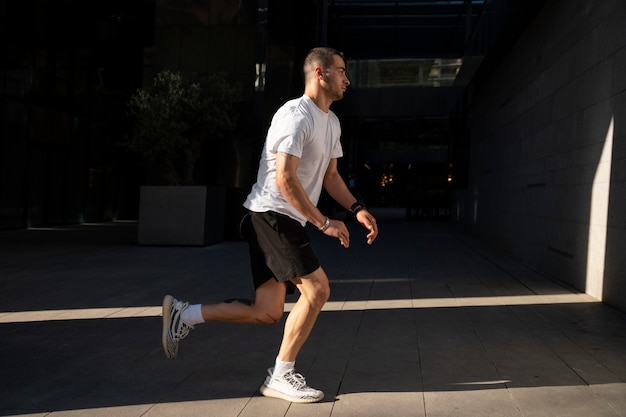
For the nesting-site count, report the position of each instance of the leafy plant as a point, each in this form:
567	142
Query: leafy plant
175	116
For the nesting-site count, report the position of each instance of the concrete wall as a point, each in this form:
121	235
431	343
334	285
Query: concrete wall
548	148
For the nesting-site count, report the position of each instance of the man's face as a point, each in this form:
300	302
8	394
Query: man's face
335	81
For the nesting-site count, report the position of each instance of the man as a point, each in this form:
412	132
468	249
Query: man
299	158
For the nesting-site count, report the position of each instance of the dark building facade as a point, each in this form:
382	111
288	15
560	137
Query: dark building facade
69	69
523	145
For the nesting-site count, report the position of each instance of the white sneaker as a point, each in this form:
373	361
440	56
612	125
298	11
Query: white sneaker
174	329
290	386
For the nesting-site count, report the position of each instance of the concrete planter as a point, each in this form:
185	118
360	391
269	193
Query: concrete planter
181	215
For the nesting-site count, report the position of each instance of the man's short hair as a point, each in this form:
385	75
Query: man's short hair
322	56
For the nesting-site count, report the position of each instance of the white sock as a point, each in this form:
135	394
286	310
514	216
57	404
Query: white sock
281	367
193	315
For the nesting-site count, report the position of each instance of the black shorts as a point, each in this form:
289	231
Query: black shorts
279	248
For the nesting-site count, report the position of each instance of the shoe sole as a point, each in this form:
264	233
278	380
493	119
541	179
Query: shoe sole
268	392
168	300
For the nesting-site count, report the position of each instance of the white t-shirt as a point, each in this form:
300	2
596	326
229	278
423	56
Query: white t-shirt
302	129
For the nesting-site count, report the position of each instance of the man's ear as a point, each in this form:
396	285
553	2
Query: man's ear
319	73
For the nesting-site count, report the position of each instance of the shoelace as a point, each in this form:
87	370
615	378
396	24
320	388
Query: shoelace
182	331
296	379
181	328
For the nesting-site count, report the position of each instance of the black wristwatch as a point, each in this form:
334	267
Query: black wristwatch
357	206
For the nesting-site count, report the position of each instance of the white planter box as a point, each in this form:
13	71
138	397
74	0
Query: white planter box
181	215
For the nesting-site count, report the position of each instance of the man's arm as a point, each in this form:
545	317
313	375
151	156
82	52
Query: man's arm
290	186
336	187
338	190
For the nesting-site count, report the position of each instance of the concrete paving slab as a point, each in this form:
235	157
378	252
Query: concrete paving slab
428	322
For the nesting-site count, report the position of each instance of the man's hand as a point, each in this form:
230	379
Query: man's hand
369	222
338	229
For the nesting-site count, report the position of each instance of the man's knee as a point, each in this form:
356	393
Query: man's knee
269	317
262	316
319	296
324	294
315	288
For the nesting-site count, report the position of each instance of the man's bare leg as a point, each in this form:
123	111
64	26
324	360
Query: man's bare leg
284	382
179	318
314	292
267	307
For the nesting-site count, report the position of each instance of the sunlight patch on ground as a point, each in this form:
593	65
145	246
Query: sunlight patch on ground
154	311
79	314
484	398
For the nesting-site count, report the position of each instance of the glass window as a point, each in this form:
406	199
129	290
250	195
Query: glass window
435	72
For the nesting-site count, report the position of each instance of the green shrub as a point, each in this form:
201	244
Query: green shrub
175	116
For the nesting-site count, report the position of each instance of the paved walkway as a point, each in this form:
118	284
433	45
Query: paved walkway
426	322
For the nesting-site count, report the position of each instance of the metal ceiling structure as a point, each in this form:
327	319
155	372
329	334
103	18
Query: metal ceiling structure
378	29
405	29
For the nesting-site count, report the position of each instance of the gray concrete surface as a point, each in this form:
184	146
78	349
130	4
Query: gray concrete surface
426	322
